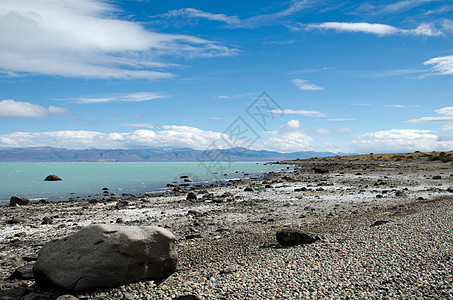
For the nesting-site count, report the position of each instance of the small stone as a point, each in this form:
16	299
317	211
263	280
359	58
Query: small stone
67	297
191	196
378	223
14	221
187	297
292	237
46	221
437	177
248	189
24	272
122	204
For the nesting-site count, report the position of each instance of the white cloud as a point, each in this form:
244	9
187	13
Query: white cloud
446	115
196	13
139	125
400	6
378	29
291	125
306	113
234	22
17	109
333	131
60	111
134	97
86	38
288	142
305	85
169	136
443	65
395	105
445	111
340	119
11	109
424	29
400	140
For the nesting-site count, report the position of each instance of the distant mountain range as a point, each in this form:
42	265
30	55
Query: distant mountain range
47	154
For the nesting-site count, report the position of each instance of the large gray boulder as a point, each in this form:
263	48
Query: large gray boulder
105	256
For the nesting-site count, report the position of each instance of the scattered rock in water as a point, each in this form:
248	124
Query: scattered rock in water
292	237
52	178
188	180
184	176
105	188
16	200
170	185
24	272
437	177
191	196
378	223
106	256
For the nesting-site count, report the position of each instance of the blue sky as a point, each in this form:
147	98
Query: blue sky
341	76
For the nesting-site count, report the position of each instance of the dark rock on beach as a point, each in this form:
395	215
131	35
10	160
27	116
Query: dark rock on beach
105	256
24	272
191	196
379	223
52	178
16	200
292	237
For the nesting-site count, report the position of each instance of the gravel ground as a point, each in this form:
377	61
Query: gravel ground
227	247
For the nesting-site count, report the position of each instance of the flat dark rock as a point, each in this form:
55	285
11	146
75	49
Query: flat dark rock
378	223
24	272
292	237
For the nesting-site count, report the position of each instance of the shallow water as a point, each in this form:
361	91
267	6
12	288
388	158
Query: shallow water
81	179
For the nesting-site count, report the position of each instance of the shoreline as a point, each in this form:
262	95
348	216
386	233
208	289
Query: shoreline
226	238
127	191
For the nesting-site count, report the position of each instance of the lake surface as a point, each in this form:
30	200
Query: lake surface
81	179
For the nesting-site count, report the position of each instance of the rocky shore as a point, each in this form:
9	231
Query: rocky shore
384	227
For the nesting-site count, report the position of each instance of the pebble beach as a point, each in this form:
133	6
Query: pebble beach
385	231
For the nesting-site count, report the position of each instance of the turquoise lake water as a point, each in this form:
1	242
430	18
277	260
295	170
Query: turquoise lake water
81	179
